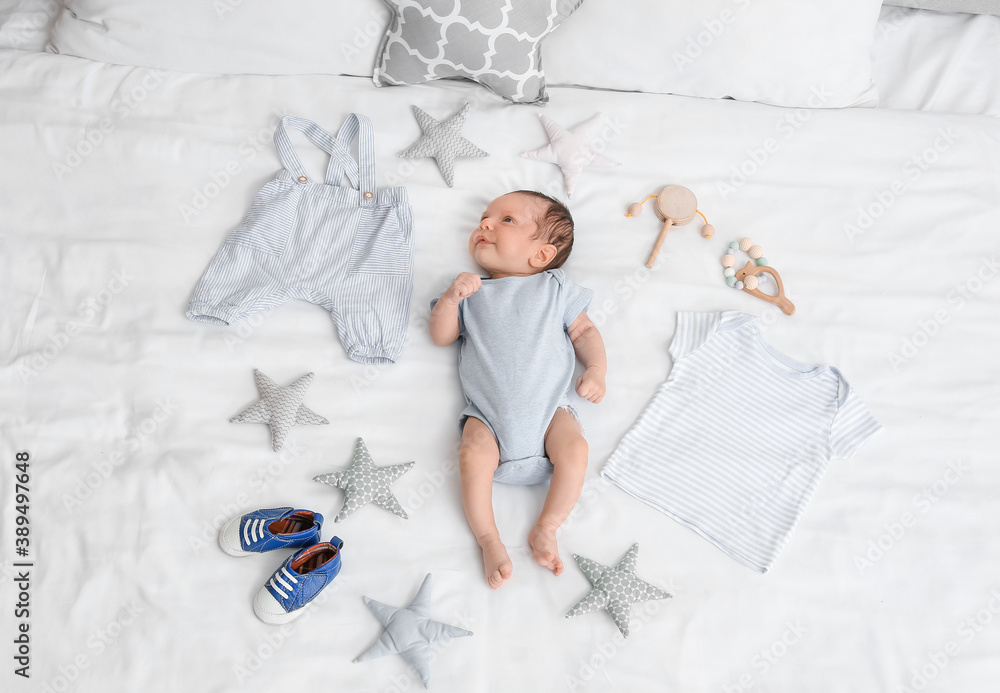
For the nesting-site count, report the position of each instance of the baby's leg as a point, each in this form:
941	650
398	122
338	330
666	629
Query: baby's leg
566	448
477	461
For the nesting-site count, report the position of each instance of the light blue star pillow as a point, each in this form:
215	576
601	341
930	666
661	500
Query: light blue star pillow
410	631
493	42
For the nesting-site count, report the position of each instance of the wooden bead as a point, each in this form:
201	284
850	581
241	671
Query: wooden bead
755	252
707	230
745	243
750	282
728	260
634	209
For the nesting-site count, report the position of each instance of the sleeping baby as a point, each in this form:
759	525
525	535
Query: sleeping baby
521	331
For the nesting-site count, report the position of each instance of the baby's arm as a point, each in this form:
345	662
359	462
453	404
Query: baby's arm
444	317
590	350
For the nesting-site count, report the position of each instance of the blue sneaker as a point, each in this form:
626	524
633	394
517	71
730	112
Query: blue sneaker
297	582
269	529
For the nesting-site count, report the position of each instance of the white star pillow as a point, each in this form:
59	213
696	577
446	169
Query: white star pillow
572	149
494	42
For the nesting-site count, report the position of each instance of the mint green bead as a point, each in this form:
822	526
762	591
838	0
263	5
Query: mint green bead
731	281
762	262
735	245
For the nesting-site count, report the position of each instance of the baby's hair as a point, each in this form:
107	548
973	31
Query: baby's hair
555	226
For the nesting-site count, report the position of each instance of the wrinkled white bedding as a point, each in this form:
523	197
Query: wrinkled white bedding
118	186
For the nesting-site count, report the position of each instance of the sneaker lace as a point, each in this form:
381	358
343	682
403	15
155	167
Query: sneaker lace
253	531
276	578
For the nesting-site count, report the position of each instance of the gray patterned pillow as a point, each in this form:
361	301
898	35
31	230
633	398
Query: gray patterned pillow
493	42
970	6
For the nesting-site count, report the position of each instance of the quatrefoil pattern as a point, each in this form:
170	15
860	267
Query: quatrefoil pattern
488	41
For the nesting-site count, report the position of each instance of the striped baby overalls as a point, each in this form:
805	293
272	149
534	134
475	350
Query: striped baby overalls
346	248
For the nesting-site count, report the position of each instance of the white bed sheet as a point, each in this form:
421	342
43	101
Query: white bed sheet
129	591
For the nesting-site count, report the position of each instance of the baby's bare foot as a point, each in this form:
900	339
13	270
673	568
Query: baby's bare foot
542	541
496	562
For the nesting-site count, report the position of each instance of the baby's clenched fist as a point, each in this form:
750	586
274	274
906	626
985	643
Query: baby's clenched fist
464	286
590	385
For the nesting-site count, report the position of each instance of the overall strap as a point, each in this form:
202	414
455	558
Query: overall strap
360	126
340	159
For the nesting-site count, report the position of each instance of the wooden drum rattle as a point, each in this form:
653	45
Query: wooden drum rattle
675	206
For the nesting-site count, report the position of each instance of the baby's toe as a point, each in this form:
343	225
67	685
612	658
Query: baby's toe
546	559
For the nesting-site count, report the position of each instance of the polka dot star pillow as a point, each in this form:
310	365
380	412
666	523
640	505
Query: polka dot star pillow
493	42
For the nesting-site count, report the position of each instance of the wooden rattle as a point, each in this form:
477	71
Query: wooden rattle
675	205
749	276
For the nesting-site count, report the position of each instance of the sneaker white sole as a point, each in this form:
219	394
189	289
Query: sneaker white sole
269	610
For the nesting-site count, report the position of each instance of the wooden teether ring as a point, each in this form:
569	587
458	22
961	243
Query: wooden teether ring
675	205
752	270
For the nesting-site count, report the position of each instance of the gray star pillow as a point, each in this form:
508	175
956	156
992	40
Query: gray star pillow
279	407
364	483
442	140
493	42
615	589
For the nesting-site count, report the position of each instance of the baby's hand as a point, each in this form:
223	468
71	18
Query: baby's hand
464	286
590	385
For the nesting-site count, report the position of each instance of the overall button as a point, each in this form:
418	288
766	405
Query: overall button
303	179
369	195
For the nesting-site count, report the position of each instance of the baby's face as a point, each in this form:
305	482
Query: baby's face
504	243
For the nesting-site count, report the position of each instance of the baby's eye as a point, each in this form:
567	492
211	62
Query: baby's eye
510	219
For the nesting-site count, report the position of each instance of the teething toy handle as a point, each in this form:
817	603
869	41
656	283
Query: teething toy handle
780	299
786	306
659	243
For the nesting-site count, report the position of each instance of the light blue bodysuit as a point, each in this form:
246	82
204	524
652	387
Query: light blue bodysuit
516	364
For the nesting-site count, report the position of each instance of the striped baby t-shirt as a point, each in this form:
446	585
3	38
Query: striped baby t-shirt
735	441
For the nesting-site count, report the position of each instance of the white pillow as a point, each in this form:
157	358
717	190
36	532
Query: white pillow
226	36
25	24
790	53
812	53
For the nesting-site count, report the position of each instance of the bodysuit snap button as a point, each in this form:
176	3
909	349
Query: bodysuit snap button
303	179
368	196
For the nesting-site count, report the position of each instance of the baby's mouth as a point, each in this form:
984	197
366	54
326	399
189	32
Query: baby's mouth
480	240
